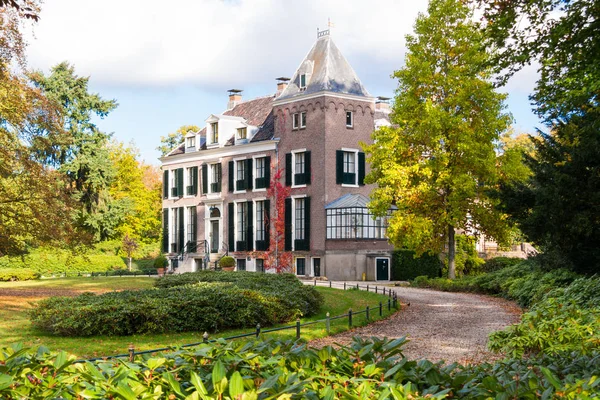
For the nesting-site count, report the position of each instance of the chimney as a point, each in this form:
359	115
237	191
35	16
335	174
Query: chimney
235	97
282	83
382	104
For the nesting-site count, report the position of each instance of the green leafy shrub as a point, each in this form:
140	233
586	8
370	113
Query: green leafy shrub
406	267
498	263
227	262
20	274
286	287
161	262
201	307
270	369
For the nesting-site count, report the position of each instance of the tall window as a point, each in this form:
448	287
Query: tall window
240	175
299	219
303	81
303	119
242	221
175	232
260	265
349	119
260	220
215	177
191	229
299	163
300	266
295	120
260	168
349	163
214	133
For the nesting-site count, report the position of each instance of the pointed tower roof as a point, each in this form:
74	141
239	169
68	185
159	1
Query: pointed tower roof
325	69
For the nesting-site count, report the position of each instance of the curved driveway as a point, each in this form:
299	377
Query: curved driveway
440	326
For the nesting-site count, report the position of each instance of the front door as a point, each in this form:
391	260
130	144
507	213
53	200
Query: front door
317	266
214	236
383	269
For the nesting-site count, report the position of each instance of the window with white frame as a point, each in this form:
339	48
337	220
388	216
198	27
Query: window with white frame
242	133
215	178
299	219
260	221
242	221
349	119
240	175
260	173
349	168
295	120
191	141
302	81
303	119
355	223
214	133
300	266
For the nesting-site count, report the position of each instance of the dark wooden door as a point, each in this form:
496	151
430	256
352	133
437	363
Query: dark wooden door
383	269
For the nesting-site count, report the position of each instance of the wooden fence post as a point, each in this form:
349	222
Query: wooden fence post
131	352
327	323
367	312
350	318
257	330
298	328
380	309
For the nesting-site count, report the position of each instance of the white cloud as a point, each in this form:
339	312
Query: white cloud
214	43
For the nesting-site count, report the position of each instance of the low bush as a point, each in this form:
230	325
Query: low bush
270	369
286	287
406	267
227	262
20	274
201	307
498	263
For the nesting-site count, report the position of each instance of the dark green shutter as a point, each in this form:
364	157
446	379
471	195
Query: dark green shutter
267	219
194	230
361	168
179	182
339	166
219	176
250	227
194	181
204	178
180	236
288	169
165	243
166	184
231	226
268	172
288	225
249	174
307	223
231	175
307	169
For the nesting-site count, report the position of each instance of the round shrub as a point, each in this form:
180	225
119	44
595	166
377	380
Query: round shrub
161	262
227	262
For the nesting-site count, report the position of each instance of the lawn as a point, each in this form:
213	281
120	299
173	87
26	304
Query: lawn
15	299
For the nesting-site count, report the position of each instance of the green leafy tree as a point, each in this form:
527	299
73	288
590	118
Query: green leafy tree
84	157
437	161
174	139
557	207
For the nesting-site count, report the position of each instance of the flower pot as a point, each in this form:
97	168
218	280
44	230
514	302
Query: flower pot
160	271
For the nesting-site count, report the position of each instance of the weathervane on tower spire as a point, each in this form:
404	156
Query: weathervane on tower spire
325	32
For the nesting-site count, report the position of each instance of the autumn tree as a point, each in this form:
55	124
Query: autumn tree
34	206
437	160
130	245
139	185
174	139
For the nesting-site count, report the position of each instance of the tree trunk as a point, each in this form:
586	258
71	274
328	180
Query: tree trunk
129	263
451	253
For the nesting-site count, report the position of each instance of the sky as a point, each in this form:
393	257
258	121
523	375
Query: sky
170	64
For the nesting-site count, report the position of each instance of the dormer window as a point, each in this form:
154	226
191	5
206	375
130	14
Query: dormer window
214	132
191	141
303	82
242	133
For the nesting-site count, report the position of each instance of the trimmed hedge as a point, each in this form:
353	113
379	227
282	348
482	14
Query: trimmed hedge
201	307
498	263
286	287
21	274
406	267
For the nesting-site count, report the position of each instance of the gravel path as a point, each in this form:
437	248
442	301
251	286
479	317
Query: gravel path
440	326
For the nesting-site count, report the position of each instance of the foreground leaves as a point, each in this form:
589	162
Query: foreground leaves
366	369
